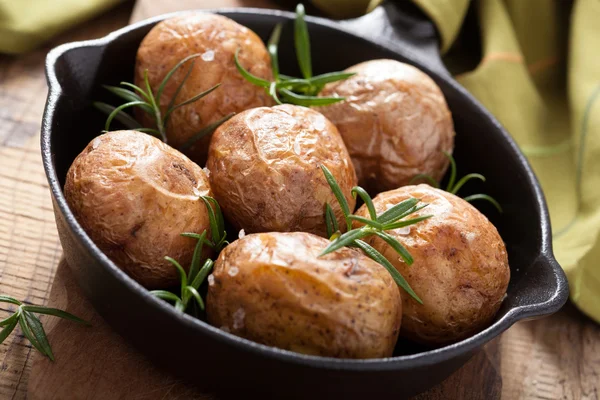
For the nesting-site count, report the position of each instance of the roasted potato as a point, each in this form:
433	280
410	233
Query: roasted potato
134	195
273	288
265	169
460	268
395	123
217	38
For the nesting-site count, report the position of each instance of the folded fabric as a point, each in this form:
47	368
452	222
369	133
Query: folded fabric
25	24
538	74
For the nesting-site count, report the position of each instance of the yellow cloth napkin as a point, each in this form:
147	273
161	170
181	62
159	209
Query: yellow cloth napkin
25	24
539	74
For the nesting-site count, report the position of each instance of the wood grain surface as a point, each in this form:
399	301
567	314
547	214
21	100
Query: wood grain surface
554	358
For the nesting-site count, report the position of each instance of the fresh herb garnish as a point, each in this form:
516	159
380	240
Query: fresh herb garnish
31	326
199	270
287	89
149	101
374	225
453	186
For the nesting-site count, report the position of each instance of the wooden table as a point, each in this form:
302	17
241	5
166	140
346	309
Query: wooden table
557	357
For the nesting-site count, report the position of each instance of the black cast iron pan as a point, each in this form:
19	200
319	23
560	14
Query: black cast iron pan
219	361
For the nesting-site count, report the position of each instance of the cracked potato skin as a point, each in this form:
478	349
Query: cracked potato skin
174	39
272	288
460	268
265	169
134	195
395	123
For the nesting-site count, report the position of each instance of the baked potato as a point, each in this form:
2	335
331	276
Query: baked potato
265	169
460	268
395	123
217	38
134	195
273	288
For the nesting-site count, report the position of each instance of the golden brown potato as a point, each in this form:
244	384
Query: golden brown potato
134	195
265	169
272	288
460	268
395	123
217	38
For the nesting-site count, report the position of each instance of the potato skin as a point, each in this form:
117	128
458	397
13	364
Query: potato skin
217	38
265	169
395	123
134	195
460	268
272	288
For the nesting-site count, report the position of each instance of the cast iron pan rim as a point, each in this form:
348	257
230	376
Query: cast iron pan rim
394	363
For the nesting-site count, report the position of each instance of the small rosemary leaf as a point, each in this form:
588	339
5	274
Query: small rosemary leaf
195	265
302	42
196	295
428	178
464	180
484	197
337	192
54	312
8	328
402	224
366	221
357	190
155	107
293	83
165	295
345	240
413	210
194	99
329	77
286	77
330	220
204	271
255	80
177	91
8	299
212	219
397	246
218	215
9	320
182	275
125	94
207	130
122	117
452	171
197	236
162	85
272	47
137	89
29	335
397	276
308	101
37	329
398	210
273	92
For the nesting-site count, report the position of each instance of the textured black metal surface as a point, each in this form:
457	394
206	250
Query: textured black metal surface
230	364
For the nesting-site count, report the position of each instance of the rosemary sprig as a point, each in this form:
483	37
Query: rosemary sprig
453	186
287	89
149	101
30	324
199	270
375	225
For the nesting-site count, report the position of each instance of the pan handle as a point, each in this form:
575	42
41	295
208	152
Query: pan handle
402	26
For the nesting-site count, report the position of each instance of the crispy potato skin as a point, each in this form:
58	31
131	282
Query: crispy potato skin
395	123
265	169
217	38
272	288
134	195
460	270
